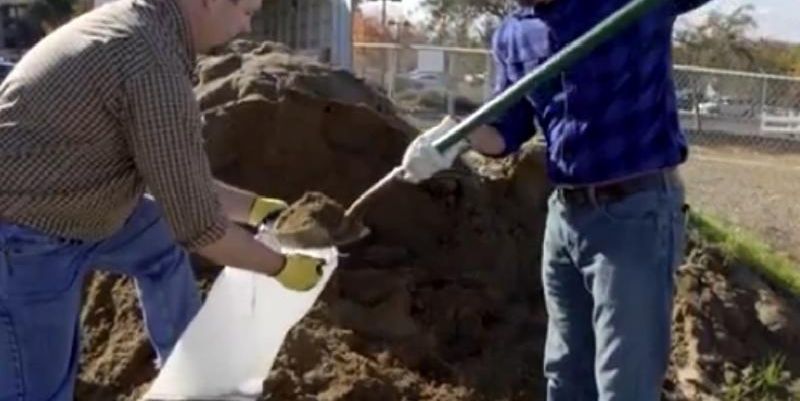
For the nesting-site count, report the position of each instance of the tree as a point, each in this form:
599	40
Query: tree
367	30
466	22
719	41
496	8
778	57
725	41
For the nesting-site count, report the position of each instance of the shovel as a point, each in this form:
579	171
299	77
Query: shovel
348	228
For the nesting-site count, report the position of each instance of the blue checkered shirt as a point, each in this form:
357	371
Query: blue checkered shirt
611	115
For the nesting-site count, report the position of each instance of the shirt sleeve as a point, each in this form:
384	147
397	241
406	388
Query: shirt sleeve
685	6
516	124
166	142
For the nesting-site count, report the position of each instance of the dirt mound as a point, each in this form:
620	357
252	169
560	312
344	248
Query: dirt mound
281	124
443	300
735	336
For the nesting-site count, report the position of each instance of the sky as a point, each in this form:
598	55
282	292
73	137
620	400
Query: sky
777	19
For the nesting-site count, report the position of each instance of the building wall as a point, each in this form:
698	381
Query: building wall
321	28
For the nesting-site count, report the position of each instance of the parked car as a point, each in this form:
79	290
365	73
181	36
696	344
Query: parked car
421	80
683	98
727	106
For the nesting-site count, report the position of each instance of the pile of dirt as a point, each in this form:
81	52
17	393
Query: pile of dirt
282	124
730	328
443	300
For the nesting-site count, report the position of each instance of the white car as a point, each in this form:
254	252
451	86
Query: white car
423	80
726	106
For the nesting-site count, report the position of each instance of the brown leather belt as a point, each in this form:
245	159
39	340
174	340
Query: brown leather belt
616	191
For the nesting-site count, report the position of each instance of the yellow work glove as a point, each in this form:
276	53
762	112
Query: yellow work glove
264	208
300	272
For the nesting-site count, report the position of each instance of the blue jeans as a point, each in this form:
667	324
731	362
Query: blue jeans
608	283
41	280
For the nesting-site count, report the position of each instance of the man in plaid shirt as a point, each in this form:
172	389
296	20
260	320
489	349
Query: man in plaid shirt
615	225
99	110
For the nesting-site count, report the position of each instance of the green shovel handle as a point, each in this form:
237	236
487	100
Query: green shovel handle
551	68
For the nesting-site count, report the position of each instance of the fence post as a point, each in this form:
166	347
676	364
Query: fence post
392	72
451	104
488	78
698	124
385	68
763	104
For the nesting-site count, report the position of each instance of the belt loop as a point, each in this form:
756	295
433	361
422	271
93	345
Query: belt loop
591	191
664	175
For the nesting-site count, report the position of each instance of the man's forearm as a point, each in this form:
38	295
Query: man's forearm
235	202
239	249
487	140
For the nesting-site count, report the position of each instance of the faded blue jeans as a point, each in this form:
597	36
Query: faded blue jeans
608	282
41	278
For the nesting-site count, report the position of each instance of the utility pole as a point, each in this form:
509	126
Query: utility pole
386	79
383	14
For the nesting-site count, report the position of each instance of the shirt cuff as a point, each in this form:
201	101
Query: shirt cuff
209	234
516	127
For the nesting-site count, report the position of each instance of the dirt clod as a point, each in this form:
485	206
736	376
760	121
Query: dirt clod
317	221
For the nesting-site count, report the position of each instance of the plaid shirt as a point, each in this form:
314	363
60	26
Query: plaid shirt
97	111
611	115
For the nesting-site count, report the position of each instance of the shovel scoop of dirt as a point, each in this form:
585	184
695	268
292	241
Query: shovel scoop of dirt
317	221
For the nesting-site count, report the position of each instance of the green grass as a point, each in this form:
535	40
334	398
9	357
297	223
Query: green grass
745	248
766	381
769	379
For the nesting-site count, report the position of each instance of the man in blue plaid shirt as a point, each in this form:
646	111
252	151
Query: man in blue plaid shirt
615	228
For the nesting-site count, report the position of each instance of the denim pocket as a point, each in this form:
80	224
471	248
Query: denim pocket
11	387
37	265
17	251
639	208
3	270
679	227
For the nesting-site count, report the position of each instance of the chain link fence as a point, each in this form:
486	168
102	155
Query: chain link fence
714	105
744	128
426	81
756	110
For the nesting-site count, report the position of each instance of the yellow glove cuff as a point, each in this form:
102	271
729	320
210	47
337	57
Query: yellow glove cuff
300	272
264	207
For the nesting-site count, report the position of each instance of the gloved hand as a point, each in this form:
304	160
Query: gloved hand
421	160
300	272
265	208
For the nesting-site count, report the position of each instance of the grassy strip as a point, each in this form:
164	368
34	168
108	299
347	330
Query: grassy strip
769	380
745	248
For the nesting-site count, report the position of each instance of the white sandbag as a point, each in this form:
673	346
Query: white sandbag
229	348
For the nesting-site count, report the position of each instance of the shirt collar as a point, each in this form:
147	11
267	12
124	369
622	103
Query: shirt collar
525	11
176	21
